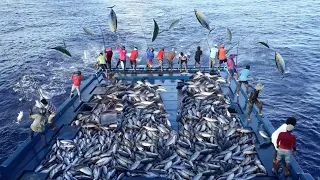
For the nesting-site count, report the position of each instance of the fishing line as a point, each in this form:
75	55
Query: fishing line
19	82
143	33
104	43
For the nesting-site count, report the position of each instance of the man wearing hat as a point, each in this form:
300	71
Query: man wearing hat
232	67
133	58
109	54
213	55
170	58
253	99
274	137
285	142
101	61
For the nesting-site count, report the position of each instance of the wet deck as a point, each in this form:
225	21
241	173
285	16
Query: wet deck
29	154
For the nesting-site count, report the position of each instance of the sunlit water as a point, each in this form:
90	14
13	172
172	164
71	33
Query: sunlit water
29	28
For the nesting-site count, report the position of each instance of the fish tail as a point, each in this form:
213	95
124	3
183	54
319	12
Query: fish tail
111	6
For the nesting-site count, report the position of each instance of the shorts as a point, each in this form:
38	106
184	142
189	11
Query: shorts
103	66
232	71
183	61
212	59
133	61
149	63
160	62
75	88
245	82
51	116
197	61
285	153
222	61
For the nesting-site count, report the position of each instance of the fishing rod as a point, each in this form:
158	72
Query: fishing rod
241	39
19	83
104	43
143	33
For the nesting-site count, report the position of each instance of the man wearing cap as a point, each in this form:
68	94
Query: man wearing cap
274	137
213	55
222	55
243	78
232	67
122	57
109	54
170	58
38	124
76	78
133	58
285	142
101	61
253	99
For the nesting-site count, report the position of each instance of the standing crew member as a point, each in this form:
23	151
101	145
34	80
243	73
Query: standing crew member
213	55
222	55
253	99
197	57
38	124
150	56
285	142
243	78
133	58
170	58
160	57
109	54
183	59
76	78
52	110
122	57
101	61
274	137
232	67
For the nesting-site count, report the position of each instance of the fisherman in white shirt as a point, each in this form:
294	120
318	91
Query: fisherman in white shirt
275	134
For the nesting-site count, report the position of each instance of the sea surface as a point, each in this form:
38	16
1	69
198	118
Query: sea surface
30	28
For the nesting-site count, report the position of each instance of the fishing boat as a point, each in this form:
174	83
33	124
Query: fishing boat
27	157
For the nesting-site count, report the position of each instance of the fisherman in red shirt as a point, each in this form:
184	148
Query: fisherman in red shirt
285	142
76	78
109	54
133	58
160	57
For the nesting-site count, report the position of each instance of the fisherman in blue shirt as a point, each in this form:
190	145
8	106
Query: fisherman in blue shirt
243	78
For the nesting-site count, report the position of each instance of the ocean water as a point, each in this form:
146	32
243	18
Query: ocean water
30	28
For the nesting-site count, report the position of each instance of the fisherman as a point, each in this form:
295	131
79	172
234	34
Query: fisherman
38	124
285	142
160	58
222	55
122	57
150	56
243	78
232	67
213	55
170	58
197	57
76	78
253	99
183	59
283	128
109	54
133	58
101	61
52	110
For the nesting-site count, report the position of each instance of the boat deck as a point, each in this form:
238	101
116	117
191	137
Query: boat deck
22	163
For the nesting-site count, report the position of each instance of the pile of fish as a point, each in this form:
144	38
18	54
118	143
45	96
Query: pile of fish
211	140
210	143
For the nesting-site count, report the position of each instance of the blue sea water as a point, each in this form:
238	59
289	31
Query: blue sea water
29	28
